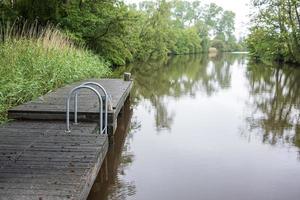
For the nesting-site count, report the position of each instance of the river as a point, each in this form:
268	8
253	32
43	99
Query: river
206	128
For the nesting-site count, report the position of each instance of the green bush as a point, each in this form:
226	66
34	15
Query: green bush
218	44
266	46
30	67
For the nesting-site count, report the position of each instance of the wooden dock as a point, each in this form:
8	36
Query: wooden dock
52	106
39	160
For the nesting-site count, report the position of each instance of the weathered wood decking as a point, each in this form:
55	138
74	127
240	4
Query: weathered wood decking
52	106
39	160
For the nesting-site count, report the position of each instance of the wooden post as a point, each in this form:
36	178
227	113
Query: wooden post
127	76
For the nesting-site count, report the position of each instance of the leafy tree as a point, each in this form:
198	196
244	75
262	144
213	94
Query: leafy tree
218	44
275	32
122	33
156	35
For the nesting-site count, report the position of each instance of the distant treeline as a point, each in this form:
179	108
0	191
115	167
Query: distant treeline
275	32
122	33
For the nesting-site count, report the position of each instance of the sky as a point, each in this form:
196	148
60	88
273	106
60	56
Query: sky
239	7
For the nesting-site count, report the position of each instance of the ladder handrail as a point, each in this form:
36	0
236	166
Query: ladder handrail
106	104
68	106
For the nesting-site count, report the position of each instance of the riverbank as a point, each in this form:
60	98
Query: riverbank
33	66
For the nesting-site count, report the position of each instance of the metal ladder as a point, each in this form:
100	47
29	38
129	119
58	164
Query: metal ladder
88	85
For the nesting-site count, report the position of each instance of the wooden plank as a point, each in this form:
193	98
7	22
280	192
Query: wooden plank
36	170
38	160
31	197
52	105
55	101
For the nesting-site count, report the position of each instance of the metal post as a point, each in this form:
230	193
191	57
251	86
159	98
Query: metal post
76	108
107	97
74	90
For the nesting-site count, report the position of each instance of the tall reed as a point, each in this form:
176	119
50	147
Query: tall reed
35	60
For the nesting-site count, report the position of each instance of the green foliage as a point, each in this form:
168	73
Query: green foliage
266	48
188	42
155	34
275	32
31	10
225	26
122	33
106	28
30	67
218	44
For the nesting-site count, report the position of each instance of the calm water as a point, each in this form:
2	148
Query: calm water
206	128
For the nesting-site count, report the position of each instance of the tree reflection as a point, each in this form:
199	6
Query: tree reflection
177	77
109	183
275	104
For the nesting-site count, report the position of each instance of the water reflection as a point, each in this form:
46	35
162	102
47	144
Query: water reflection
273	91
274	103
178	77
205	103
182	75
108	184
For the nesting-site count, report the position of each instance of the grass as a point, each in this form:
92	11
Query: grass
34	61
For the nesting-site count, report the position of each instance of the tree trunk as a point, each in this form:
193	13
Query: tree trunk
283	30
293	26
297	14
